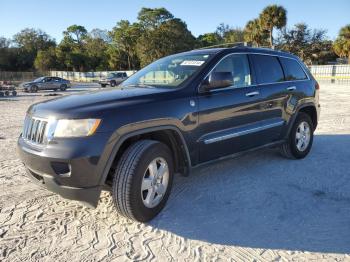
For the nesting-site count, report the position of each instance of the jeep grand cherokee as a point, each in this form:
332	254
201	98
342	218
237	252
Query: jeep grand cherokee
175	114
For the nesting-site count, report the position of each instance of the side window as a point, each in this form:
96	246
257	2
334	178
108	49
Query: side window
267	69
292	69
238	65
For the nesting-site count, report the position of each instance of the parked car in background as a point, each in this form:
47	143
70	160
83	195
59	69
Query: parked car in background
113	79
47	83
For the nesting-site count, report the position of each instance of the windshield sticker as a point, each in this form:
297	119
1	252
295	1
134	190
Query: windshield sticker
192	63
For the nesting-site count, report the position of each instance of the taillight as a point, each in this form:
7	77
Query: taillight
317	86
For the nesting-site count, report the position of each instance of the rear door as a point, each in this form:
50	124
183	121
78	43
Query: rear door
56	82
272	88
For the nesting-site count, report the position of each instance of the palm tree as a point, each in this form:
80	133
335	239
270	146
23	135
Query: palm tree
341	45
273	16
253	32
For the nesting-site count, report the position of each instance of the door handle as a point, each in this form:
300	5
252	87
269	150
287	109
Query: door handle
291	88
250	94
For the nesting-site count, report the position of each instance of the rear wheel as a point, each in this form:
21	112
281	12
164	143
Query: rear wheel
113	83
7	93
63	87
142	180
300	138
14	93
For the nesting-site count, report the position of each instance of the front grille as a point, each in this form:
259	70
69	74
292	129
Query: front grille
34	129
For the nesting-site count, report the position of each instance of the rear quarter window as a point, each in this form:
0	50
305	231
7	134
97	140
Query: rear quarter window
292	69
267	69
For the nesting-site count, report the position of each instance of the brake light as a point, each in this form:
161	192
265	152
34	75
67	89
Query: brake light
317	86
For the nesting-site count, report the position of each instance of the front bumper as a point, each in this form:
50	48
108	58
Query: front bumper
68	167
104	82
89	196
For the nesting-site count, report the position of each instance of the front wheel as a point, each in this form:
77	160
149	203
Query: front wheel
142	180
63	87
113	83
300	138
34	89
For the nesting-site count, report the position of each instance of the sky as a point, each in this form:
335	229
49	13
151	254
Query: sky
201	16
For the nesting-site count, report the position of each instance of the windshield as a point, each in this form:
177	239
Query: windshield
167	72
111	75
39	79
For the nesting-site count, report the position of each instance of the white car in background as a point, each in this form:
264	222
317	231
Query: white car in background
113	79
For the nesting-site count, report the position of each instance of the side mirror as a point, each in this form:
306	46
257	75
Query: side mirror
217	80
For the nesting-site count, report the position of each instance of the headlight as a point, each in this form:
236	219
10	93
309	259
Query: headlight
76	127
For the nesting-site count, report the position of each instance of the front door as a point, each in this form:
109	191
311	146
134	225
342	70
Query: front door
235	118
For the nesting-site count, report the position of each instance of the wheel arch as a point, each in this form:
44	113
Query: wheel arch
168	135
308	108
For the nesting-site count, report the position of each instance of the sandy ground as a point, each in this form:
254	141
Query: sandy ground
259	207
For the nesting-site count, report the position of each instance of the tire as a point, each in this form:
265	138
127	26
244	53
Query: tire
290	149
33	89
113	83
7	93
63	87
103	85
14	93
55	89
132	170
1	94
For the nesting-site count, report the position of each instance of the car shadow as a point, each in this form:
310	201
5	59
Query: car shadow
264	201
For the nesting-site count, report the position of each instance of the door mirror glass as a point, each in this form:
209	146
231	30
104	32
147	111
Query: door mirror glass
217	80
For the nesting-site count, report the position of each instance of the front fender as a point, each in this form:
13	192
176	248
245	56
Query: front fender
128	131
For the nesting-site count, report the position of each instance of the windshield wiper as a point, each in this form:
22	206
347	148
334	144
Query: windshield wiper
138	85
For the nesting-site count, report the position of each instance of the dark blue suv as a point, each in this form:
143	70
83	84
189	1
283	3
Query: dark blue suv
175	114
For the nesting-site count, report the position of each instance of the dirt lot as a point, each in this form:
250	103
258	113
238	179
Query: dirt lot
256	207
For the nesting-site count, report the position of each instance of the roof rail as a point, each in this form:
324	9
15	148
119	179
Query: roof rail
228	45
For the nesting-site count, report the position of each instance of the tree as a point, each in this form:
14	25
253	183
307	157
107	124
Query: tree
273	16
29	41
125	37
102	34
209	39
171	36
5	54
151	18
95	50
228	34
253	32
76	33
161	35
234	35
46	59
342	44
312	46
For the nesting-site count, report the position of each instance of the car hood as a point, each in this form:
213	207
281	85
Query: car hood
91	104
